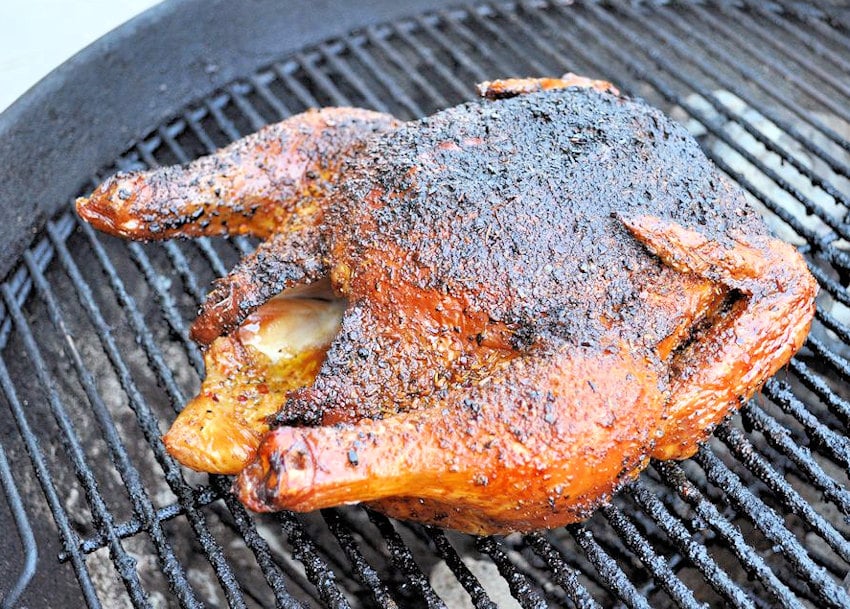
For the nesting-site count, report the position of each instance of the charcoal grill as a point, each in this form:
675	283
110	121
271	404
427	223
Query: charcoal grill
95	359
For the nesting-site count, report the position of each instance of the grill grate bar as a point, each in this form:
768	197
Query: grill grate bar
837	405
203	497
520	586
276	103
810	42
690	548
668	63
165	300
473	587
762	83
318	77
402	559
337	63
611	573
428	24
657	566
326	551
771	525
161	285
285	72
142	505
378	40
569	553
423	51
779	437
20	282
833	324
101	516
830	285
259	546
770	60
674	477
205	246
318	572
335	560
562	574
391	85
238	93
836	362
60	516
193	119
362	569
803	59
498	34
745	452
816	22
181	265
221	120
15	587
835	445
560	59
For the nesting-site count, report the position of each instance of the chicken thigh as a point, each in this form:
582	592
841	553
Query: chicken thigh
520	301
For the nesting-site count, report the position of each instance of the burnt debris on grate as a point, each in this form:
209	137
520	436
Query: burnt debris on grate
96	358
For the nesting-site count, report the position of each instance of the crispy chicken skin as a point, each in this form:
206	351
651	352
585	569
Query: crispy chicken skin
532	296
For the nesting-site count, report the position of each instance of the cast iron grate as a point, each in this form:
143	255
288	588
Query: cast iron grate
95	351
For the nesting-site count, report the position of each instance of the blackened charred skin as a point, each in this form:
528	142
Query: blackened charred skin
513	205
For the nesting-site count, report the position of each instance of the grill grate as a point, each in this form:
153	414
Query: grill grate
95	349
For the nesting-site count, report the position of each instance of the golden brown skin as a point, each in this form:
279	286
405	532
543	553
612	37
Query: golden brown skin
494	453
543	292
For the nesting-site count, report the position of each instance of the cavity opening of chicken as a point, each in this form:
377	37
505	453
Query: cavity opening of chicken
249	373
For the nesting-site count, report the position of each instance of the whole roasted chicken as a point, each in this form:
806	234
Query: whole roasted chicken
488	319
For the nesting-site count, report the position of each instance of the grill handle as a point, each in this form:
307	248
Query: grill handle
24	532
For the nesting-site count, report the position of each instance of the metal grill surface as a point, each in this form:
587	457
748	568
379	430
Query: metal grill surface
95	357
